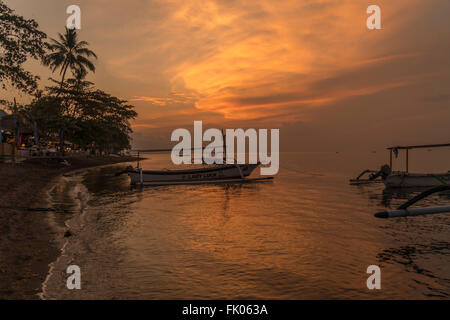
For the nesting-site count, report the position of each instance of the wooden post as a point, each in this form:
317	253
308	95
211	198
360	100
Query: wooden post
224	138
407	160
61	142
1	135
240	170
139	157
16	138
13	153
390	160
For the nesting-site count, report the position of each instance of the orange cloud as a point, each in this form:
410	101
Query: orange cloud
144	125
241	51
174	98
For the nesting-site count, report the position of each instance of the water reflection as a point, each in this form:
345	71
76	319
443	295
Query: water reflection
300	236
394	197
416	261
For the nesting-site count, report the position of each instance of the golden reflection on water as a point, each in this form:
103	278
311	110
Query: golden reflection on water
306	235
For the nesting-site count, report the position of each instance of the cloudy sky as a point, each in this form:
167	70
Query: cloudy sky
308	67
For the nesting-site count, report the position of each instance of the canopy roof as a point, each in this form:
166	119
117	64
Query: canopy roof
420	146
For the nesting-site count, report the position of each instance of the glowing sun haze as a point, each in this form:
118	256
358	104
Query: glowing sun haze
311	68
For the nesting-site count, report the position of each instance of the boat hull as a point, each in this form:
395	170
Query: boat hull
412	180
217	173
364	181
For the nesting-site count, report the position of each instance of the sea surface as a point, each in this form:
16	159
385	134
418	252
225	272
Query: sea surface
306	235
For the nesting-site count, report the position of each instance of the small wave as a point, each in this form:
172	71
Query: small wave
72	186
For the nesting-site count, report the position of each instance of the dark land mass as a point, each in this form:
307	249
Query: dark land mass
26	247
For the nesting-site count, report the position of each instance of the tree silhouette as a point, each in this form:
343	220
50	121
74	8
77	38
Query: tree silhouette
67	53
20	39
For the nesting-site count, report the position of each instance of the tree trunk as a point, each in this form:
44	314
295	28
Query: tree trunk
64	75
62	80
62	130
61	142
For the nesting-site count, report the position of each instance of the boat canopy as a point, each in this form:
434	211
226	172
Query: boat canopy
420	146
407	148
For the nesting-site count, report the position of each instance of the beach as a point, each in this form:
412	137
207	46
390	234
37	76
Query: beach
27	245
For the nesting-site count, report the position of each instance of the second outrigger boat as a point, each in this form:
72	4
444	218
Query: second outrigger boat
405	179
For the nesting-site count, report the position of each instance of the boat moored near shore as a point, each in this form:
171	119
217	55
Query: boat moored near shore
208	174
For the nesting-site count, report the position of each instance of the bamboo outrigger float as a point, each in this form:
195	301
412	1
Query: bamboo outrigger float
405	211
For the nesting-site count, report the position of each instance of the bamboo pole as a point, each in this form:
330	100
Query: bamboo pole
412	212
407	160
390	160
405	211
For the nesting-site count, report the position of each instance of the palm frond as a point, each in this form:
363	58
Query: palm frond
69	53
85	63
86	52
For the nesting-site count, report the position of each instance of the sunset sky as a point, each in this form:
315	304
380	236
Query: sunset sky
310	68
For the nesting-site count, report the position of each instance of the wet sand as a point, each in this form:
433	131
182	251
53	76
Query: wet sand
26	246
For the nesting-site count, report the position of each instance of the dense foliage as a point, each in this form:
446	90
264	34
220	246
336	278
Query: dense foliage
88	116
72	109
20	39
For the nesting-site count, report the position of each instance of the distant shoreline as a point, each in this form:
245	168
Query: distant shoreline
26	248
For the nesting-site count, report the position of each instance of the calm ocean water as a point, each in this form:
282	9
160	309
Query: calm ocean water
306	235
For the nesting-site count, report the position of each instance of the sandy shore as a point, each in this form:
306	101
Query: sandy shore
25	236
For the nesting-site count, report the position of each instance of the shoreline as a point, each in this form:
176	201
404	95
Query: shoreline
26	246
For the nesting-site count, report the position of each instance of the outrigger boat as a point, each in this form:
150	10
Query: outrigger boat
214	174
404	179
375	176
227	173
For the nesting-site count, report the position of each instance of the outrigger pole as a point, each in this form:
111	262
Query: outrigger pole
404	211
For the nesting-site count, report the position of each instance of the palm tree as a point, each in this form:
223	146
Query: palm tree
78	81
69	53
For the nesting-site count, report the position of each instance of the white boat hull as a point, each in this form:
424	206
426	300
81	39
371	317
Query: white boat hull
410	180
217	173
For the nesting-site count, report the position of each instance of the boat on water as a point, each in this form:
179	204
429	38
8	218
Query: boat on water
211	174
218	173
404	179
416	180
374	176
